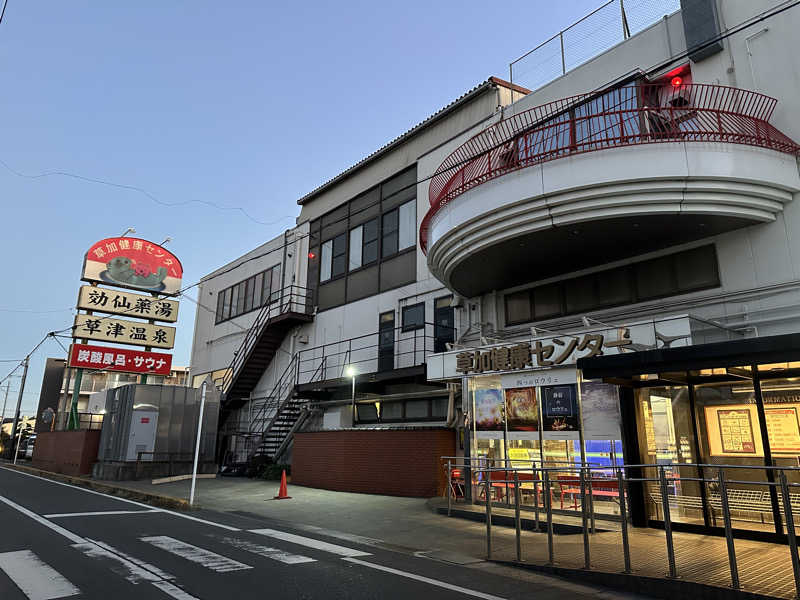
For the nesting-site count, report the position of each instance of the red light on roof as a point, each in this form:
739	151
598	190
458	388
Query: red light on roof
312	256
676	82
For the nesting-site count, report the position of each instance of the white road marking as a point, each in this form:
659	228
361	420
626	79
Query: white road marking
132	569
206	558
428	580
100	513
75	539
349	537
36	579
273	553
173	590
108	496
310	542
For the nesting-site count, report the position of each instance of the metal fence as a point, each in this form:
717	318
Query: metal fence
586	481
593	34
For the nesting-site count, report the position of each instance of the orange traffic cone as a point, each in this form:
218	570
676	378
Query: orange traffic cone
283	494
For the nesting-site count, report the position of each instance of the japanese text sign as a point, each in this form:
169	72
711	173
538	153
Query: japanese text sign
119	359
126	303
133	263
123	332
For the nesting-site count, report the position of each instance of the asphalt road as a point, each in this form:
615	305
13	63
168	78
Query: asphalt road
59	541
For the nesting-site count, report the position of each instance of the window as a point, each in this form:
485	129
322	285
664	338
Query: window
248	295
391	411
439	407
417	409
399	228
276	283
670	275
414	317
334	258
356	237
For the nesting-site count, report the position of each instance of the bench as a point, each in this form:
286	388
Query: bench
599	487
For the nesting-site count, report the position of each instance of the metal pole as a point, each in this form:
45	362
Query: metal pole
790	533
16	452
449	488
726	515
563	60
584	521
516	517
488	491
626	550
197	444
546	498
72	419
536	493
667	522
353	400
19	402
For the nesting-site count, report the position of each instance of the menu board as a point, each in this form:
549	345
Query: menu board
783	427
736	431
522	410
600	411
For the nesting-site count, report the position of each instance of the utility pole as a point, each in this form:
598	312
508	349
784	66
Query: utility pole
19	400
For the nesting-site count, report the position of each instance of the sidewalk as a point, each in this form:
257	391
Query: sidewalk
415	526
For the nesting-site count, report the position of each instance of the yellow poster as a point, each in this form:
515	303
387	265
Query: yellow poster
783	427
733	430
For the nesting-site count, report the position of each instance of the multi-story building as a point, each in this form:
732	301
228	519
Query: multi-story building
626	241
326	328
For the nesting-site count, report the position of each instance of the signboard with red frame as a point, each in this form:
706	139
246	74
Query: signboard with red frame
133	263
86	356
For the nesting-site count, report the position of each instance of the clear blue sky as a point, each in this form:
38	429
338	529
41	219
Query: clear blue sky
246	103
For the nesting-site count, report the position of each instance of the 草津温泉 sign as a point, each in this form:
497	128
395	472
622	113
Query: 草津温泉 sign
92	327
84	356
117	302
133	263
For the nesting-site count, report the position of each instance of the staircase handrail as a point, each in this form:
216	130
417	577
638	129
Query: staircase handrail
290	296
289	374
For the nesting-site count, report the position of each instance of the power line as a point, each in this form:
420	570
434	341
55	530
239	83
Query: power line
137	189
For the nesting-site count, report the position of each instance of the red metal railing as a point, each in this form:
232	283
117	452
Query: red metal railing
637	113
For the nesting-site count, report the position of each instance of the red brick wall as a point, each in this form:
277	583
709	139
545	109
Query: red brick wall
391	462
68	452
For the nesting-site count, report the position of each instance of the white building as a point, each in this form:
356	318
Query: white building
637	218
339	314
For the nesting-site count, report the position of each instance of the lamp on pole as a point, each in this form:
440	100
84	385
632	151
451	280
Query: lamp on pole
351	372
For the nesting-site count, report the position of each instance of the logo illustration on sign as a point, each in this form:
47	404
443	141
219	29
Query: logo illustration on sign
133	263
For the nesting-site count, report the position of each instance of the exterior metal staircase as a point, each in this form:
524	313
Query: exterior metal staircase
287	308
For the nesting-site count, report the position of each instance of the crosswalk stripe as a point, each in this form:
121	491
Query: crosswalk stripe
273	553
310	542
206	558
101	513
173	590
36	579
132	569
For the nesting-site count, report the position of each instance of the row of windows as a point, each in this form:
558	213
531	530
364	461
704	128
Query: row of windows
395	228
397	412
248	295
669	275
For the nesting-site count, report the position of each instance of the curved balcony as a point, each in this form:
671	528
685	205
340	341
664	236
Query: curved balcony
673	164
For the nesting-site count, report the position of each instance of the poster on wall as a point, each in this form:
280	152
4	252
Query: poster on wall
600	411
736	431
783	426
733	430
488	409
560	412
521	409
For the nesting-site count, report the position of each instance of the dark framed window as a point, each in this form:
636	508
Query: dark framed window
391	225
399	228
670	275
334	258
409	411
363	244
414	317
248	295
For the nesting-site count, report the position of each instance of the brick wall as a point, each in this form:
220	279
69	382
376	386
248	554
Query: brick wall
391	462
68	452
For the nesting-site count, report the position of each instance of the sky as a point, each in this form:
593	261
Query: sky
204	107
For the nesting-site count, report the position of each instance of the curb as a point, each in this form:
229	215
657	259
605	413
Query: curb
105	488
655	587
